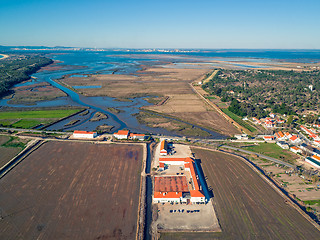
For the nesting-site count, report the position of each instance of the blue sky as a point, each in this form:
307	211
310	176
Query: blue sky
281	24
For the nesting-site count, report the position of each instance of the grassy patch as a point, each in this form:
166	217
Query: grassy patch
26	123
38	114
30	119
272	150
6	123
211	97
312	202
14	142
239	120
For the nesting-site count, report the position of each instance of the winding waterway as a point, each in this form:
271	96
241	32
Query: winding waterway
82	64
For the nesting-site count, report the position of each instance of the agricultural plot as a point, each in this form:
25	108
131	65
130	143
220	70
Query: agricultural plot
69	190
246	206
30	119
10	147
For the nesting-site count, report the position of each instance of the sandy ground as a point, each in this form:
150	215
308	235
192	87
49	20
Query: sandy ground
181	151
204	220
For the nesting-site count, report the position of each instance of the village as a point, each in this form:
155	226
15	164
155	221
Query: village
303	140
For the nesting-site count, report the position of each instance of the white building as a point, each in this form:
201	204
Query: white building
283	145
295	149
137	136
241	136
121	134
84	134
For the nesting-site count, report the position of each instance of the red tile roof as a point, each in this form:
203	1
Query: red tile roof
293	138
295	148
196	193
171	184
122	132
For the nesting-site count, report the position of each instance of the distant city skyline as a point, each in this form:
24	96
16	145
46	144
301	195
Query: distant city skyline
199	24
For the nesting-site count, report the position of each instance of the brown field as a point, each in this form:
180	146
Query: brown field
36	92
69	190
7	153
246	206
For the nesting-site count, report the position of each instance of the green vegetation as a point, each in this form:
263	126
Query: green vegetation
26	123
38	114
18	70
258	92
312	202
272	150
30	119
238	120
14	142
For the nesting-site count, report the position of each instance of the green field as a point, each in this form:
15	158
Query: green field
38	114
272	150
239	120
30	119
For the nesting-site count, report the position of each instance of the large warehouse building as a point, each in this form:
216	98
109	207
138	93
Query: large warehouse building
179	189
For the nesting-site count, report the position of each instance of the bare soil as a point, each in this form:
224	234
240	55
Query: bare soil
70	190
246	206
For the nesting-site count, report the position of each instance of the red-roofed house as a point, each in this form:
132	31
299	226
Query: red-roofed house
137	136
161	166
268	138
288	135
280	135
121	134
269	124
84	134
164	148
295	149
295	139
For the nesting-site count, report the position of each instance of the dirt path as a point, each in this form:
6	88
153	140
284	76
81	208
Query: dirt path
215	107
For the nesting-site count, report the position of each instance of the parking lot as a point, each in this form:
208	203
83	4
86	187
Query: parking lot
195	217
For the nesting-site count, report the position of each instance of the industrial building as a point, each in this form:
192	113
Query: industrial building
84	134
184	188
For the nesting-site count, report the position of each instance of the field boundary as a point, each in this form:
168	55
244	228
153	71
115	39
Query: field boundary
20	157
215	107
142	196
270	183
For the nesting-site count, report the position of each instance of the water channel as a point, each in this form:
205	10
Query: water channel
83	64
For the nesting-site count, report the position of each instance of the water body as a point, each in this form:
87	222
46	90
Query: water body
119	62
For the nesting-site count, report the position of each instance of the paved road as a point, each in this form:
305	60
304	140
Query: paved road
260	155
29	130
173	138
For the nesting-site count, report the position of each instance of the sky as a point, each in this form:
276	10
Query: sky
280	24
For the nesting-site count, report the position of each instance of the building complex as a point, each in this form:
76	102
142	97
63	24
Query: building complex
183	188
